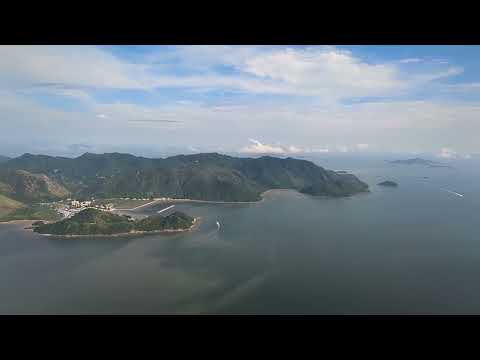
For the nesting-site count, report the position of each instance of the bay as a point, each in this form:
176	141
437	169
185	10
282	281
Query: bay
408	250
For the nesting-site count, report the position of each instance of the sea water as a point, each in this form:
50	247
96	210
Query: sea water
414	249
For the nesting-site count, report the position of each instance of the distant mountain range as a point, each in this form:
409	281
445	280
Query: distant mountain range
207	176
419	161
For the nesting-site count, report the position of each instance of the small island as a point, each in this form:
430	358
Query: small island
388	183
97	222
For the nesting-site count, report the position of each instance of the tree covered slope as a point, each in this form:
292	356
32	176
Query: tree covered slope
25	186
209	176
96	222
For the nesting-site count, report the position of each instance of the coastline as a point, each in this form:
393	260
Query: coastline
19	221
213	202
196	220
262	195
203	201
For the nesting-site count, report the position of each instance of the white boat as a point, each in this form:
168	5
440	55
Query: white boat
218	225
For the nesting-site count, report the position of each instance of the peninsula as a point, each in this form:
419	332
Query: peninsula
98	222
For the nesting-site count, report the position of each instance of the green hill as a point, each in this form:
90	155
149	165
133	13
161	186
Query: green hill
8	205
174	221
33	212
97	222
29	187
6	202
208	176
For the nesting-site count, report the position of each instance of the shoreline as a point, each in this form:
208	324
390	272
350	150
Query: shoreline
203	201
262	195
21	221
196	220
16	221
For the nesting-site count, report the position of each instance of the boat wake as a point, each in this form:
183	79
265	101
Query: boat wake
452	192
446	190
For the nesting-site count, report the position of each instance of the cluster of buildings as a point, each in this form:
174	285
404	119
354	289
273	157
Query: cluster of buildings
76	206
134	199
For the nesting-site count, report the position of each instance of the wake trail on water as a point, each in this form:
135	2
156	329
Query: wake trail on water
446	190
210	237
452	192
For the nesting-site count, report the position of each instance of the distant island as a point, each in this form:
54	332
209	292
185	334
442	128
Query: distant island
209	176
388	183
97	222
420	161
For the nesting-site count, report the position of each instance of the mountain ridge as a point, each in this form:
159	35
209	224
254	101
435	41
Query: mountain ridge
203	176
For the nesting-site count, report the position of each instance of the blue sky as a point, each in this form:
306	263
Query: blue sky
248	99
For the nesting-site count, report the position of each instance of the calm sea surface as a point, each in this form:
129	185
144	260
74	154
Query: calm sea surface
414	249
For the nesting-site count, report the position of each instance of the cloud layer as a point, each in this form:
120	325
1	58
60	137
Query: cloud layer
256	147
321	99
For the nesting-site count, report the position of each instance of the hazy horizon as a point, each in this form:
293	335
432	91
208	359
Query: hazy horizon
148	153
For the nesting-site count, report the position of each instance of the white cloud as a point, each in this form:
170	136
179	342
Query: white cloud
428	77
324	71
293	149
362	147
76	66
325	74
447	153
256	147
203	57
409	60
321	150
343	148
396	126
462	87
441	61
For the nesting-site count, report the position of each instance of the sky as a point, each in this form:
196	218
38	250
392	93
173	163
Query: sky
251	100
